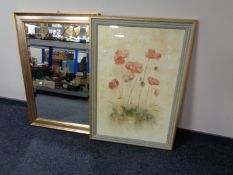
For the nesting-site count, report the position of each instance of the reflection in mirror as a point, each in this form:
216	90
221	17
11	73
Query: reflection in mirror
58	56
54	52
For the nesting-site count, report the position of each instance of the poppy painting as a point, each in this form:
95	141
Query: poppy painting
139	68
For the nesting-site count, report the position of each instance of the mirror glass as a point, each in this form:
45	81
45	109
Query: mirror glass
58	54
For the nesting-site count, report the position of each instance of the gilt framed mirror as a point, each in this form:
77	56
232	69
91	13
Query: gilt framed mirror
54	53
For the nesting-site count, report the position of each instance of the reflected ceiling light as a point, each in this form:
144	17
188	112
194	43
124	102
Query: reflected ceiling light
114	27
119	36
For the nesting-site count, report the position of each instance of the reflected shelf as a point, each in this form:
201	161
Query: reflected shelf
58	44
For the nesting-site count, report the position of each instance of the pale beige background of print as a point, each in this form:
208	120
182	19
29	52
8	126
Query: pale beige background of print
138	40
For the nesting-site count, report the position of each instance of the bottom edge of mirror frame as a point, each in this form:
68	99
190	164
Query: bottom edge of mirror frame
59	125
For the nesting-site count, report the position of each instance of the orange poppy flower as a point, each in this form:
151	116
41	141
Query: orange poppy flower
120	56
113	84
128	76
134	67
153	81
152	54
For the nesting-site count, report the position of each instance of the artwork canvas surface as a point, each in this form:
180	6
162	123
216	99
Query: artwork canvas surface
136	80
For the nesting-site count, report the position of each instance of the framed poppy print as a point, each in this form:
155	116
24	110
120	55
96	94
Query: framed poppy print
138	73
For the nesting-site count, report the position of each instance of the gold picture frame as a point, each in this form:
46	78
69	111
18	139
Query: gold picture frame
22	18
139	68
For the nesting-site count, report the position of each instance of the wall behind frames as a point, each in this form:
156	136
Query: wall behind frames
208	103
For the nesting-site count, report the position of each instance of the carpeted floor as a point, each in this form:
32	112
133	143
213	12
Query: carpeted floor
28	150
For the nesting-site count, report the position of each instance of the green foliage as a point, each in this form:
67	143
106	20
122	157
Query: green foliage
124	113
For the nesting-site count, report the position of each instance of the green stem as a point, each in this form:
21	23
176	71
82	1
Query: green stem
131	91
143	82
122	81
145	70
139	98
151	92
121	84
147	95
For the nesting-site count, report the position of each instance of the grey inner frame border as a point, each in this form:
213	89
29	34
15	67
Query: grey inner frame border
184	60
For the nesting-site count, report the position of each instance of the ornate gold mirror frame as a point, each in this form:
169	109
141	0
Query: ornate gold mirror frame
21	19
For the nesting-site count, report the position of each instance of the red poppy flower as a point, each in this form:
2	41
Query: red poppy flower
120	56
152	54
129	65
134	66
113	84
119	60
128	76
153	81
